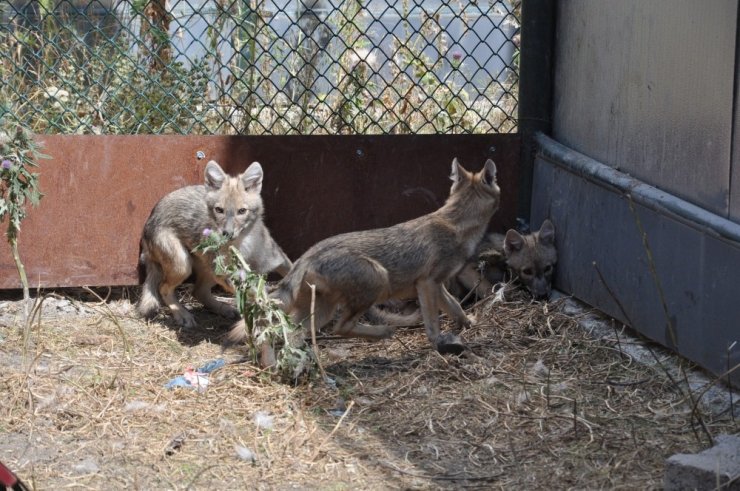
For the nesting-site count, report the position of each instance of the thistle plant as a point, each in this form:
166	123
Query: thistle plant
19	154
266	322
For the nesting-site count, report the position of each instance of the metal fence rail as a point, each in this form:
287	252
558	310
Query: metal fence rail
260	67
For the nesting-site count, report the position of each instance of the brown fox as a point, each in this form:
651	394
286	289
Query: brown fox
231	206
354	271
530	259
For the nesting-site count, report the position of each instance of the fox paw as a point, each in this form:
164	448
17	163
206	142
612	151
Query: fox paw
450	343
387	332
223	309
464	322
184	319
229	312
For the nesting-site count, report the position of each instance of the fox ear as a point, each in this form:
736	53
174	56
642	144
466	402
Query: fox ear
252	178
513	241
215	175
489	173
457	170
547	233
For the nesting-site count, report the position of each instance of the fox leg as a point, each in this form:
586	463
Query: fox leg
204	282
176	266
148	303
468	277
427	291
471	278
299	311
452	307
348	326
224	283
322	314
356	294
485	288
431	295
300	314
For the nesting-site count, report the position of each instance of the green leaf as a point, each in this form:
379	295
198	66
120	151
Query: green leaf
264	319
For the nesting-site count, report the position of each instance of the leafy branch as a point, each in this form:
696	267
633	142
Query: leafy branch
265	321
19	154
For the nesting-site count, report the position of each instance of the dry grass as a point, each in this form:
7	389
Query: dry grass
542	405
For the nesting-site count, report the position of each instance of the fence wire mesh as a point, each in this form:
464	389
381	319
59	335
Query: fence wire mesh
260	67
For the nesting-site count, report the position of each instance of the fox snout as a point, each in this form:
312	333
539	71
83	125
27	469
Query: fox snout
540	288
231	227
227	233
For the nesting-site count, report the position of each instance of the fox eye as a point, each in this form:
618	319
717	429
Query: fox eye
219	210
241	211
527	272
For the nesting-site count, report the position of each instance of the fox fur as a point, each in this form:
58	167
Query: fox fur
231	206
354	271
529	259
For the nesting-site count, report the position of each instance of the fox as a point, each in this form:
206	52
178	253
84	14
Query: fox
231	206
355	271
529	259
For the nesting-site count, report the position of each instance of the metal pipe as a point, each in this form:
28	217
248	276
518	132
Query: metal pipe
640	192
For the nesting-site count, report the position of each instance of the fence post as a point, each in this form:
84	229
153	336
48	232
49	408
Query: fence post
535	87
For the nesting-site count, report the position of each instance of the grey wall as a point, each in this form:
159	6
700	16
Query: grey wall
600	215
647	87
735	167
643	106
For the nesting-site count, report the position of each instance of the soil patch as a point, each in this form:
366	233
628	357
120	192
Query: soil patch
541	404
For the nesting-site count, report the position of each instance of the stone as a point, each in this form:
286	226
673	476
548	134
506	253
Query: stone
715	468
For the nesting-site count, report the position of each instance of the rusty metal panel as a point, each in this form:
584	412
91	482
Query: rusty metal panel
99	191
647	87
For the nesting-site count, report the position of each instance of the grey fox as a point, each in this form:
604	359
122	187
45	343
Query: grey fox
529	259
231	206
354	271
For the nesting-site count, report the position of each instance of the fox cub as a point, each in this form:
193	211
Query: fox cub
231	206
354	271
529	259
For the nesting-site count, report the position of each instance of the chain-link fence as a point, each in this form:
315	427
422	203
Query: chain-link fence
260	67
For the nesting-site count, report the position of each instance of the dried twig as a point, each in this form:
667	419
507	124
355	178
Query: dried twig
334	430
313	331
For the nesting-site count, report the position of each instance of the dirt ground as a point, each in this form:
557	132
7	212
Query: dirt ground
542	405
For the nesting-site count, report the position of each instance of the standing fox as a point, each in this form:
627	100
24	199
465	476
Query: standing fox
357	270
231	206
529	259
